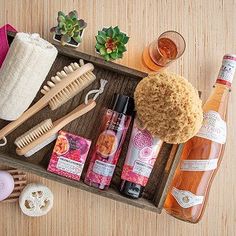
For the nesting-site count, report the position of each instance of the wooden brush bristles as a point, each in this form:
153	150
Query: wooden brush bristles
72	89
33	133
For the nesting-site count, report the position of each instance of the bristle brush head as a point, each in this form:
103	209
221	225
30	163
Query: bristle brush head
71	89
40	145
33	134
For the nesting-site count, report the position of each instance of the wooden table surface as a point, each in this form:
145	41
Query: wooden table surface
210	31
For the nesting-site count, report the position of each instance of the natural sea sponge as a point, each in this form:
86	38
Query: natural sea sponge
169	107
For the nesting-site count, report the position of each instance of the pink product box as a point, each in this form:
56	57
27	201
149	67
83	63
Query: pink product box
69	155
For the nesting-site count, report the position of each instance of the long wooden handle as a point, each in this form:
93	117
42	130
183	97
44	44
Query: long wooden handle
58	125
25	116
77	112
45	100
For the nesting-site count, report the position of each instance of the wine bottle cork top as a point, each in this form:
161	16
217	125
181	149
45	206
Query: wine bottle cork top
230	56
227	70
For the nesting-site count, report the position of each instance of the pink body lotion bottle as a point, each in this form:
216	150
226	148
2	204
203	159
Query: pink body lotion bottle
140	159
106	152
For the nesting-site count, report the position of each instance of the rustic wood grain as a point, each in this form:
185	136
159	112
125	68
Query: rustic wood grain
120	80
167	175
112	193
210	31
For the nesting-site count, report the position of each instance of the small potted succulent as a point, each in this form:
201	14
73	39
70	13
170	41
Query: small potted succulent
69	30
110	43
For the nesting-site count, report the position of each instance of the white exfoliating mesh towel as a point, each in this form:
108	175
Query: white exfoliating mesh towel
24	69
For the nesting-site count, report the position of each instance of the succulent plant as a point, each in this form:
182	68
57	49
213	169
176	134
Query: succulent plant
111	43
69	27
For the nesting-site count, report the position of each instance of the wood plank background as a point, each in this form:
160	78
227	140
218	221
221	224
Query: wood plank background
210	31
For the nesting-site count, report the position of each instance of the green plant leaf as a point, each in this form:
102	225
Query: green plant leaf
102	34
109	32
116	50
76	33
73	14
117	30
77	38
58	31
120	37
107	57
69	24
75	21
125	40
98	46
70	33
77	28
120	54
113	33
114	55
63	31
121	48
102	51
100	39
60	13
61	24
61	19
60	16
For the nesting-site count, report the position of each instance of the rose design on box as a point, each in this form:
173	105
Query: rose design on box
69	155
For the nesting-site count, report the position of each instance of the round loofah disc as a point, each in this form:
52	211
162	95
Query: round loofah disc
169	107
36	200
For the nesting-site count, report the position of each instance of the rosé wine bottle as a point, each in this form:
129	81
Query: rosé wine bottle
107	150
202	154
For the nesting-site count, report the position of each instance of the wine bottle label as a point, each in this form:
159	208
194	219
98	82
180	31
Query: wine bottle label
227	70
198	165
186	199
213	128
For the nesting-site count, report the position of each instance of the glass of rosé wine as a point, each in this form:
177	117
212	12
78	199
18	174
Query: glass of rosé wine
169	46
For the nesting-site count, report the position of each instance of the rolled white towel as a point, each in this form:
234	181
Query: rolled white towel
24	69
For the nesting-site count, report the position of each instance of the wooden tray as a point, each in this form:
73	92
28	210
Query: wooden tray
120	80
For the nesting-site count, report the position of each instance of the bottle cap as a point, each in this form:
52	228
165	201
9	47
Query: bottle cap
123	104
230	57
131	190
227	70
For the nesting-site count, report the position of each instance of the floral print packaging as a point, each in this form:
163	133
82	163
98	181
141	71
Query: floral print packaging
69	155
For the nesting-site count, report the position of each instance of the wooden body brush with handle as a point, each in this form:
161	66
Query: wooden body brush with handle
46	132
62	87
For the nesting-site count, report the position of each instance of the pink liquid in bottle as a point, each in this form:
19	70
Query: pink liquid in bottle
107	150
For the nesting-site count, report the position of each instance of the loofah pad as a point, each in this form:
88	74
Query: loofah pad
169	107
36	200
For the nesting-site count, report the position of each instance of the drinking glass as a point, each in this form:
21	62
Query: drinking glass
161	52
